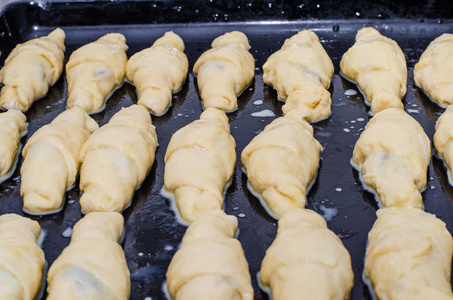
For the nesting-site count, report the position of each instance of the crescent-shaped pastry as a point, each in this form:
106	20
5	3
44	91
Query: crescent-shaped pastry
308	259
378	66
158	71
409	255
301	72
281	163
93	266
116	159
443	138
392	156
51	160
210	263
224	71
199	163
30	69
95	70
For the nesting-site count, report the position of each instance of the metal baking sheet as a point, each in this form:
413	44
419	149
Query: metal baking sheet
152	232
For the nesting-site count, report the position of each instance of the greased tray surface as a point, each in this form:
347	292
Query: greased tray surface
152	232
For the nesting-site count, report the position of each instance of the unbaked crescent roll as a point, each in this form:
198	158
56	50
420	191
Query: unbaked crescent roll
409	255
392	156
301	72
93	266
30	69
21	259
281	163
443	138
224	71
95	70
51	160
308	259
378	66
199	163
434	71
158	71
210	263
12	127
116	159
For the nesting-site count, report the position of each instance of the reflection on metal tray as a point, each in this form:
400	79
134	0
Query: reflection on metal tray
152	233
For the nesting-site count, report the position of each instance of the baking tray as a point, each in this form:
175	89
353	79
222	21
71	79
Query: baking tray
152	232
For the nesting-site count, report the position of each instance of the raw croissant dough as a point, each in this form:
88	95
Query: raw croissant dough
306	259
21	259
378	66
210	263
116	159
30	69
443	138
93	266
301	72
392	155
199	163
281	163
409	255
51	160
12	128
95	70
158	71
434	71
224	71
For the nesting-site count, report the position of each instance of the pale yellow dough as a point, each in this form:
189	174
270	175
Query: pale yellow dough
95	70
210	263
158	71
443	138
116	159
93	266
392	155
378	66
12	127
306	259
51	160
434	71
281	163
409	256
224	71
21	259
30	69
199	163
301	72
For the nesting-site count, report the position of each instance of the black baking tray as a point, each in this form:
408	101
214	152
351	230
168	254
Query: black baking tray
152	232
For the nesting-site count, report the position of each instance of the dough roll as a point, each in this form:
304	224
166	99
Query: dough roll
22	261
306	259
30	69
434	71
443	138
301	72
392	156
12	127
409	255
224	71
95	70
210	263
158	71
51	160
281	163
93	266
378	66
116	159
199	163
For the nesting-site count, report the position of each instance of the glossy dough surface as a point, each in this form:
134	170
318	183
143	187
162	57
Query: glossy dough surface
443	138
301	72
378	66
306	259
224	71
158	72
392	155
210	263
30	69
